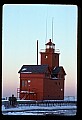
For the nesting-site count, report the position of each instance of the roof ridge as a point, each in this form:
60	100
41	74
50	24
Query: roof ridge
34	68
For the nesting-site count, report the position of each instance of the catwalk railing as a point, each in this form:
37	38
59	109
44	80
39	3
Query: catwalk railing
40	103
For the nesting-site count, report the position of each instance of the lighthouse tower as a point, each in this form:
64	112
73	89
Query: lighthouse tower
49	56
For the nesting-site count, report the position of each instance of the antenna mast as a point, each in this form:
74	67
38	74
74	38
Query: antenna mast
37	52
52	29
46	30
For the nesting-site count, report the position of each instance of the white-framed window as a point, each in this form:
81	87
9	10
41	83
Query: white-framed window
47	46
61	89
24	83
29	81
46	56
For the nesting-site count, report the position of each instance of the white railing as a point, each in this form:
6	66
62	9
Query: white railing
55	51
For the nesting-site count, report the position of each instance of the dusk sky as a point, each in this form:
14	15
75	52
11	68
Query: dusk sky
22	26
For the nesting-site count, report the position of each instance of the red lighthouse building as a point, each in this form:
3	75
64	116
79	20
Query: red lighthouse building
45	81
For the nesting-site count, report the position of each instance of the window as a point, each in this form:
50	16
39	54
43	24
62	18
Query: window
47	46
61	89
29	81
46	56
23	83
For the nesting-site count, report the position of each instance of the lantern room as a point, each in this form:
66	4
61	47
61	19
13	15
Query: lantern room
50	47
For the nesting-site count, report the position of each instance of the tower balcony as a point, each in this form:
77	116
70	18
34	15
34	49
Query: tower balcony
50	50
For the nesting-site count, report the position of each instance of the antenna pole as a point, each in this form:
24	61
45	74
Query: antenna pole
37	52
52	29
46	30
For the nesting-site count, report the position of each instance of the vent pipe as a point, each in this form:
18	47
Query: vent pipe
37	52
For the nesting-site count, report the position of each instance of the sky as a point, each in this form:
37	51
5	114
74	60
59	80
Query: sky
22	26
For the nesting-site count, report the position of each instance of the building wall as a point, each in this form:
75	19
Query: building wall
36	85
44	88
46	58
53	89
55	59
52	59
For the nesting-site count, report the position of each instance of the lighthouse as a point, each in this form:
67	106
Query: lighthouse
44	81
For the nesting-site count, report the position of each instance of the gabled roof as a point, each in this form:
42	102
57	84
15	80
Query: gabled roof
56	70
33	69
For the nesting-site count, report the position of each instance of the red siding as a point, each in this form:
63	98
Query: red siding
52	59
53	89
36	84
31	75
44	88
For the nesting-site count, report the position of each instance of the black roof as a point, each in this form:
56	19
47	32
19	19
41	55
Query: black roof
33	69
49	43
57	69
